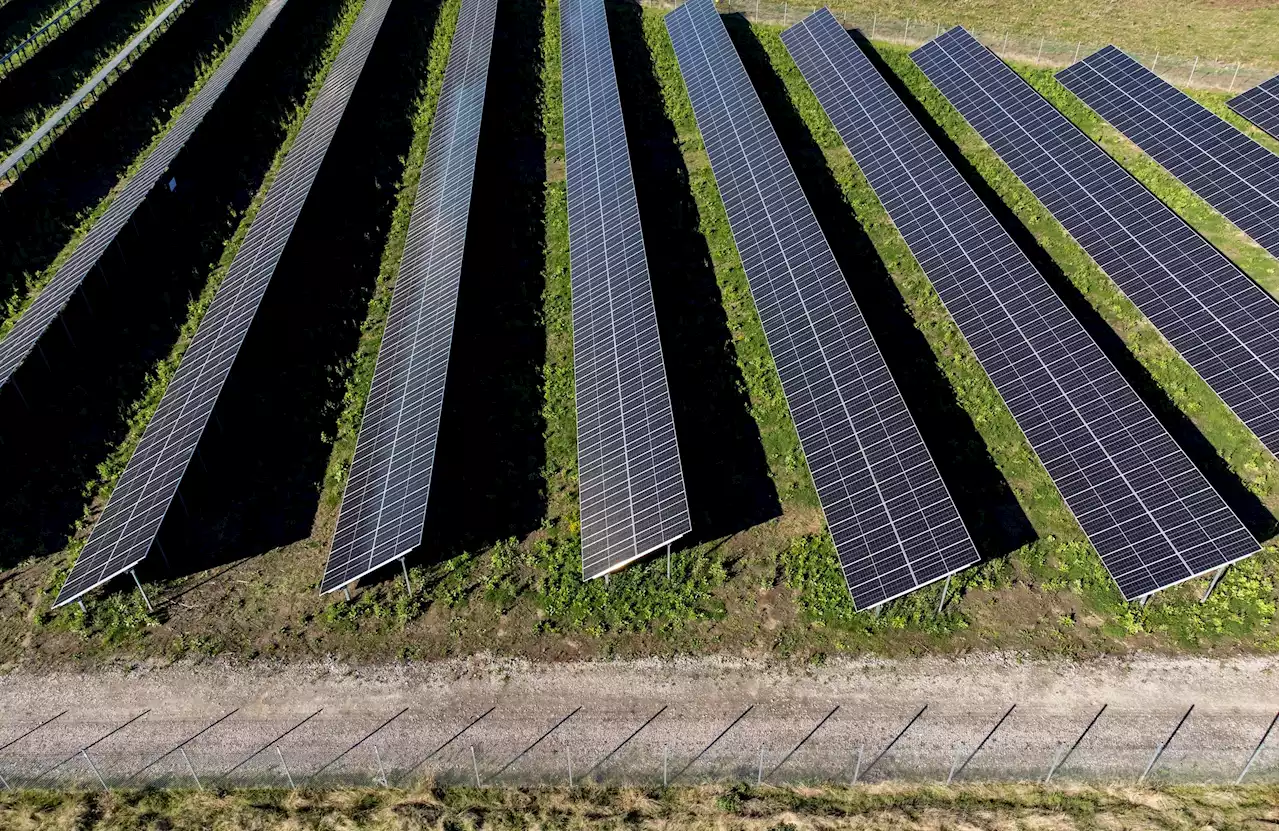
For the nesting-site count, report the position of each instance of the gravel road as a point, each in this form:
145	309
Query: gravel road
703	719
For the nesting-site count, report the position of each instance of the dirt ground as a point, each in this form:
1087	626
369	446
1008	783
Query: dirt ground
619	722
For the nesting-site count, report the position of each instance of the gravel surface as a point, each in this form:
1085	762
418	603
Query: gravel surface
704	719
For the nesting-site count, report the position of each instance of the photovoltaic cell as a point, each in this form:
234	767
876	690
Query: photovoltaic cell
385	504
630	482
1222	323
1151	515
141	499
894	524
48	305
1232	172
1261	105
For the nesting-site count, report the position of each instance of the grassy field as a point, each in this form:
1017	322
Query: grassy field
724	808
759	576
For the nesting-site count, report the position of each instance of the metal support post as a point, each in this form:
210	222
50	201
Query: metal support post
906	30
382	773
1076	57
1213	584
857	766
760	767
955	760
875	18
1192	74
85	753
1232	85
1059	762
1055	761
285	768
475	767
665	754
80	603
346	591
138	583
1256	750
408	587
668	561
1165	744
568	755
190	767
942	601
1155	61
1040	51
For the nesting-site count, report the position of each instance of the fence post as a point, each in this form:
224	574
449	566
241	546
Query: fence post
1256	750
1004	44
875	18
760	767
1053	763
382	773
1155	61
475	768
1191	75
85	753
665	752
906	30
1076	57
1232	85
1040	51
568	755
1164	744
955	758
285	768
785	9
857	766
191	768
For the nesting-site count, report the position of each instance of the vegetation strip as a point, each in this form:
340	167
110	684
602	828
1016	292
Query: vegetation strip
737	807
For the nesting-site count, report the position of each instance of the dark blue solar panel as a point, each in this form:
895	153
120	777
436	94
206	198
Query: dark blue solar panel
1151	515
1261	105
894	524
1222	323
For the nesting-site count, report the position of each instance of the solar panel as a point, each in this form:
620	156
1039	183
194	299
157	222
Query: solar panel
385	504
894	524
1221	322
1261	105
116	65
1150	514
48	305
1232	172
141	499
630	482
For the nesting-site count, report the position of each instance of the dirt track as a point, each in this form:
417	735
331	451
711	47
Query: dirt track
760	713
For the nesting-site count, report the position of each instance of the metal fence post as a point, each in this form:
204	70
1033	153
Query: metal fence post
760	767
1040	51
85	753
285	768
1258	749
906	30
857	766
875	18
190	767
568	755
1155	61
1164	744
665	753
955	759
382	773
1232	85
1076	56
475	768
1053	762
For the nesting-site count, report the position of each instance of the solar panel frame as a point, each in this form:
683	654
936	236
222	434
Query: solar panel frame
1215	316
125	532
383	511
30	327
1260	106
630	481
1237	176
1111	459
892	519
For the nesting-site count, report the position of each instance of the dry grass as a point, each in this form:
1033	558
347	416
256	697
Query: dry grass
875	808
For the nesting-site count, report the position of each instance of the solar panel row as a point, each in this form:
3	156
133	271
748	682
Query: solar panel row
1151	515
894	524
1220	321
630	483
48	305
141	499
1230	171
117	64
1261	105
385	503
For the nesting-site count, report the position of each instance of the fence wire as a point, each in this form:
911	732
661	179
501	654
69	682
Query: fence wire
1216	72
752	743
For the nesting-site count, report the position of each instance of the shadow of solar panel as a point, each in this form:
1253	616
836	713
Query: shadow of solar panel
893	522
1150	514
1261	105
630	482
1232	172
141	499
48	305
1218	319
384	506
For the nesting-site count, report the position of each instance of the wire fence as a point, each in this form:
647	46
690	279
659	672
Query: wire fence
1200	72
497	746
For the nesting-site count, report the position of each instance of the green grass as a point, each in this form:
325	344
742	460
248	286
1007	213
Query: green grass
737	807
